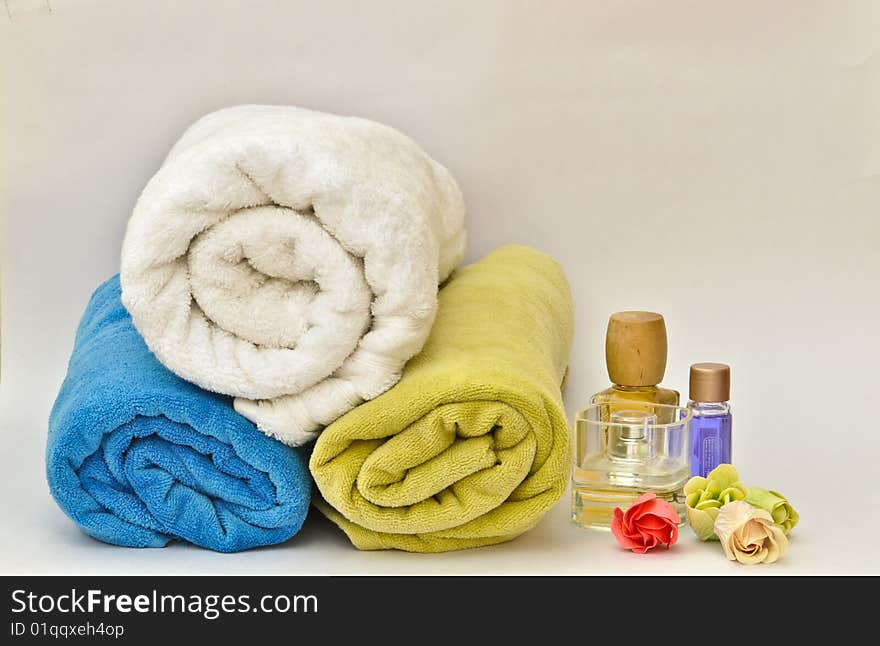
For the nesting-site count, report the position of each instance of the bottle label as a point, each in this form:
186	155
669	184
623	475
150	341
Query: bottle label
711	454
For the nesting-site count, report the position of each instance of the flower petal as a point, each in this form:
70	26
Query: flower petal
724	476
661	509
659	535
645	497
622	536
673	537
751	558
702	521
753	532
648	544
748	534
695	485
729	494
650	522
777	543
638	506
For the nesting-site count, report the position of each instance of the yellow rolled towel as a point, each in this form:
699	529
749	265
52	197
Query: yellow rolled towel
471	447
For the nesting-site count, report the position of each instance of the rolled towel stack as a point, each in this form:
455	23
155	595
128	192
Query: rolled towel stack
280	274
471	447
137	456
291	259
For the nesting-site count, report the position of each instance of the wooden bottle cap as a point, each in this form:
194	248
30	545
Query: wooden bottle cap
635	348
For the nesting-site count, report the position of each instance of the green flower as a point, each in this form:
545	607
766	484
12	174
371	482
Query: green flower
780	509
706	496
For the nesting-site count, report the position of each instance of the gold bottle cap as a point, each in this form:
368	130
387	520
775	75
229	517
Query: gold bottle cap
635	348
710	382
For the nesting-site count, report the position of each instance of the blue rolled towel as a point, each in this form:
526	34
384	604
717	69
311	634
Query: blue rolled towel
139	457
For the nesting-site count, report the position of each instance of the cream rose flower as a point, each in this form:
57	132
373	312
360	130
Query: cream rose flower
748	534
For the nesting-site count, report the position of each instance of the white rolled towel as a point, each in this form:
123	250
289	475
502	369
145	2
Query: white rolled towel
291	259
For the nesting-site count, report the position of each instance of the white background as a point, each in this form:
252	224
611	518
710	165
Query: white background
717	163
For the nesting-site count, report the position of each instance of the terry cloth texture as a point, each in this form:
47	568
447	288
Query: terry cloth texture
138	457
291	259
470	447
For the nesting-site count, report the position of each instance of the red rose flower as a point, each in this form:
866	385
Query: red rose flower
646	524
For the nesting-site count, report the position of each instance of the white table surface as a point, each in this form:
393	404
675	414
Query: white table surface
718	164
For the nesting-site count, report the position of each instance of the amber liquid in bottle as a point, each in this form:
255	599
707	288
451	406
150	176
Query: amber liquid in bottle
618	398
605	478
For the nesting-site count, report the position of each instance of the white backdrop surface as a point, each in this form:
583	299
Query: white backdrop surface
719	164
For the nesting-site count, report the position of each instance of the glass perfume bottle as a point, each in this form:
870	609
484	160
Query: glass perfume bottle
709	395
621	456
635	355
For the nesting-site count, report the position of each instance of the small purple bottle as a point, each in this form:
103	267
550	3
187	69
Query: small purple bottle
712	420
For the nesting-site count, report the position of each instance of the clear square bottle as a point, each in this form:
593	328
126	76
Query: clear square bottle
625	452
